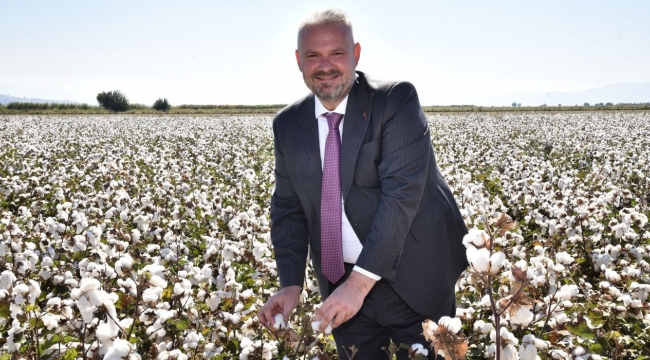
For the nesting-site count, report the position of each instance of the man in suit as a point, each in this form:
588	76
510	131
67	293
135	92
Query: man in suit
357	187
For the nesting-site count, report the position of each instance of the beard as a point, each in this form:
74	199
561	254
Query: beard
328	92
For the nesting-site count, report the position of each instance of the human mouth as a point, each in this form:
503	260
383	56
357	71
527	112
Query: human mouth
326	77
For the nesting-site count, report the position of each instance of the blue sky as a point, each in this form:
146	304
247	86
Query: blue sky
242	52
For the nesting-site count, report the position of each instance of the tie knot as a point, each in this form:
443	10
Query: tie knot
333	119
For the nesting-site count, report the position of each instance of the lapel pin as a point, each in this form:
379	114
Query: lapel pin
365	114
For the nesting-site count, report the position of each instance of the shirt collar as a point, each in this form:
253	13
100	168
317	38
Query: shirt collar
320	109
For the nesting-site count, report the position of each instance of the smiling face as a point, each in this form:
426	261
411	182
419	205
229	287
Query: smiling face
327	58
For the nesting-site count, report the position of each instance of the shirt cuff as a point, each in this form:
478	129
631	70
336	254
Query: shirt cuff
367	273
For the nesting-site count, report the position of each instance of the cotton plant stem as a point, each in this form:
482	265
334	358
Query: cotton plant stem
548	315
497	319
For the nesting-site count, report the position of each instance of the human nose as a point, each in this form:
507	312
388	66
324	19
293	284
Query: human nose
325	63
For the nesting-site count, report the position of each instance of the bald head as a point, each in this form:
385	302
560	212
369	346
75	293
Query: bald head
325	17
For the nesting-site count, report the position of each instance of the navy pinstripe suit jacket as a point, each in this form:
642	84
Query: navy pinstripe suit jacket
395	197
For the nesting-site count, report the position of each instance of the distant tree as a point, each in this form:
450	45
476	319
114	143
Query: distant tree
609	103
559	105
514	104
161	105
113	100
599	104
586	104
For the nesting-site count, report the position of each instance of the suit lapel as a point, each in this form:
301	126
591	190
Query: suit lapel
355	124
307	145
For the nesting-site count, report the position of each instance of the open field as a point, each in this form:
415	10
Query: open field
143	237
139	109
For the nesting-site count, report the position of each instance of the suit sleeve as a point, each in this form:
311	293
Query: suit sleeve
289	232
403	168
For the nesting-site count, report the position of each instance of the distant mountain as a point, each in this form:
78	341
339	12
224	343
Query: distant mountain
615	93
6	99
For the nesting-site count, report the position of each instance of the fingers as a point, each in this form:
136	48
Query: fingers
286	312
283	302
266	314
331	315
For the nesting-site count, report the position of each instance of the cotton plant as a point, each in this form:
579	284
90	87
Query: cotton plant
445	337
166	221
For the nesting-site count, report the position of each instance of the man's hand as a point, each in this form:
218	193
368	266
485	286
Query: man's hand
283	302
345	301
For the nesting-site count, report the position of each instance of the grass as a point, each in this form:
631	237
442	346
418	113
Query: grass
84	109
473	108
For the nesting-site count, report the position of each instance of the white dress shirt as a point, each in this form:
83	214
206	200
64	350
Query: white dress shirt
351	243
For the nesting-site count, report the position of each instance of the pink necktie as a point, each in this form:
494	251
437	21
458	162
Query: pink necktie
330	216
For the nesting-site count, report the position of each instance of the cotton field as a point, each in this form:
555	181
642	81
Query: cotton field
146	237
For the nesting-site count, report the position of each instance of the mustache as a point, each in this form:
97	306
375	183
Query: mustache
327	73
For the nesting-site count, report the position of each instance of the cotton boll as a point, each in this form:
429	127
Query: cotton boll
164	315
612	276
559	354
50	321
246	294
509	353
522	317
192	340
119	350
485	301
123	264
496	261
419	349
483	327
135	236
239	307
465	313
88	284
126	323
475	238
105	334
278	322
207	271
453	325
479	259
19	299
178	355
579	350
129	286
213	302
152	294
178	289
21	289
45	274
626	299
157	281
154	269
210	350
53	302
34	291
156	330
46	262
564	258
315	325
7	278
